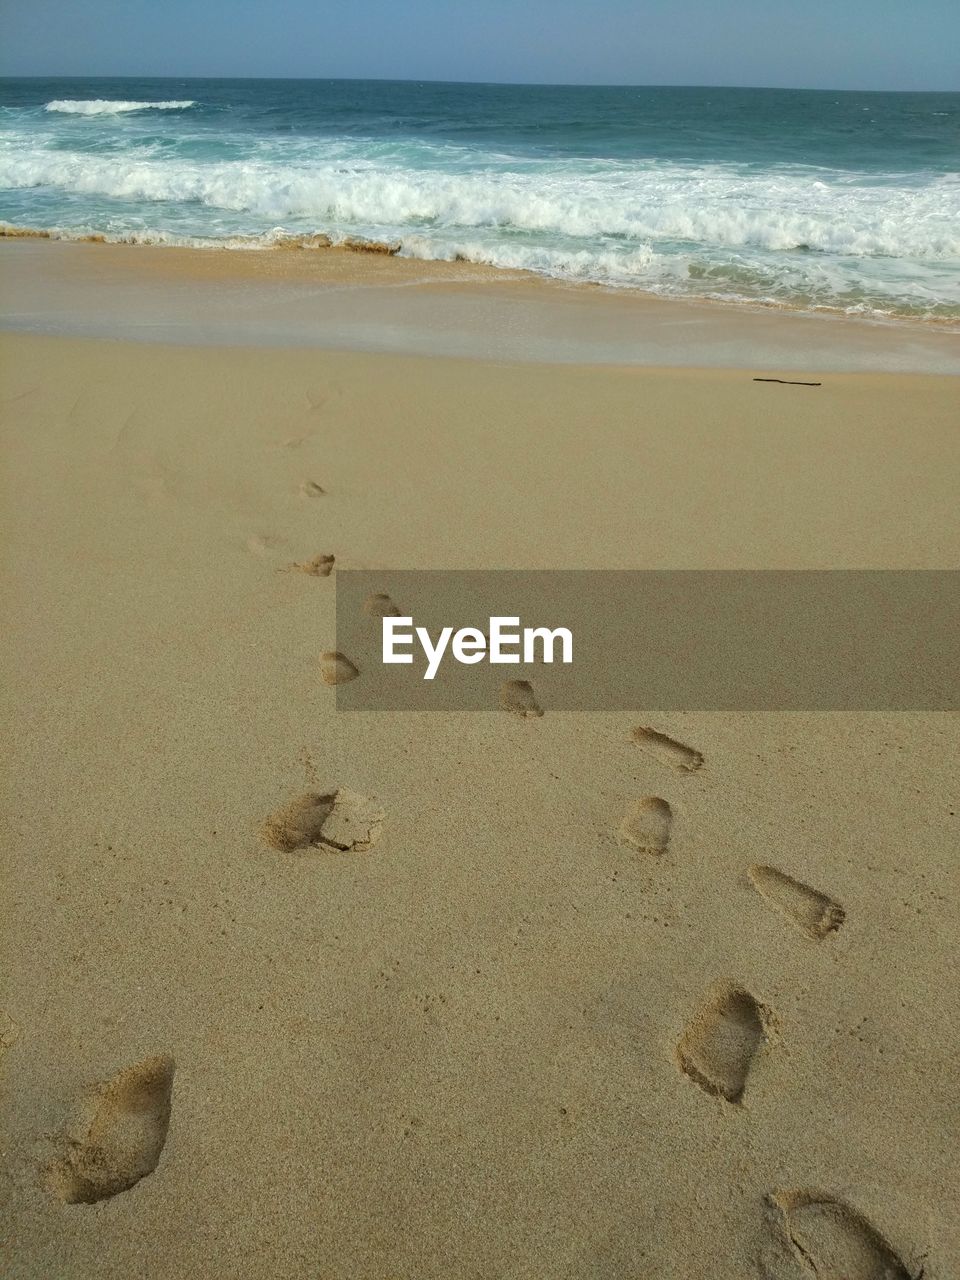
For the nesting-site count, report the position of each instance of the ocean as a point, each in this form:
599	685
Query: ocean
844	201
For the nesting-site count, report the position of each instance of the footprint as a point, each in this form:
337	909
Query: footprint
719	1045
517	697
315	399
646	827
336	669
341	820
124	1138
667	750
355	822
379	605
317	567
263	544
835	1241
9	1032
310	489
813	912
299	440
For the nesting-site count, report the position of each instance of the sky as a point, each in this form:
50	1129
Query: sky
817	44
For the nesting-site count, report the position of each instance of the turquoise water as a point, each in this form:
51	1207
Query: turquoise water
840	200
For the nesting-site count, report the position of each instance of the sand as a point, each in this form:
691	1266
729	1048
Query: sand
510	995
338	299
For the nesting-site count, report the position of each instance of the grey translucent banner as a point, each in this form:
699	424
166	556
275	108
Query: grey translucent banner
664	640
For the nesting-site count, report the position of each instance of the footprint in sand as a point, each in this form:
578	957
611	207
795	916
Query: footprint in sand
834	1241
341	820
262	544
646	827
303	433
317	567
667	750
123	1138
517	697
379	605
9	1032
719	1045
318	400
310	489
335	668
813	912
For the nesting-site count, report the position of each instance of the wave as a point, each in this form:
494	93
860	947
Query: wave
632	208
110	107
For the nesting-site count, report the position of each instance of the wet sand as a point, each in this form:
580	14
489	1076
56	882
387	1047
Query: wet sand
353	301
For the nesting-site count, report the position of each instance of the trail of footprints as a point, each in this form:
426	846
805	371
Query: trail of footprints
515	696
724	1035
122	1137
122	1134
720	1043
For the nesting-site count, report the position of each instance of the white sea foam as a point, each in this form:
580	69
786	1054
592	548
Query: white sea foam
808	234
109	107
644	205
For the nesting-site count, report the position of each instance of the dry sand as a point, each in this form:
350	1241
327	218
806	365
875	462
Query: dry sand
542	1026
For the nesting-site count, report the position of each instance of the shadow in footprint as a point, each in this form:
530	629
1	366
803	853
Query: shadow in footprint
317	567
517	697
123	1139
812	912
647	826
667	750
379	605
342	821
336	668
718	1046
835	1241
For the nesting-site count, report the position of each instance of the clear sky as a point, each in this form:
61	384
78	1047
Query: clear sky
855	44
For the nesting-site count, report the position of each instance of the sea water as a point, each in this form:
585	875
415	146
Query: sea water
848	201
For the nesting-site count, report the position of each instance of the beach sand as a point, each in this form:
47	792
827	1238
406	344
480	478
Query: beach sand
541	1027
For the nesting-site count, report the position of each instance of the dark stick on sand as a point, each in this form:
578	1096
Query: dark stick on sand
787	382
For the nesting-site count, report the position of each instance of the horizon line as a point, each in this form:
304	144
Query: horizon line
423	80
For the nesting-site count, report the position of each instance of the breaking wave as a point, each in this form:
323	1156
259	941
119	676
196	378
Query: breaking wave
109	107
656	203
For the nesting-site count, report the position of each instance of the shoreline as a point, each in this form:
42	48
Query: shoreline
376	300
285	243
